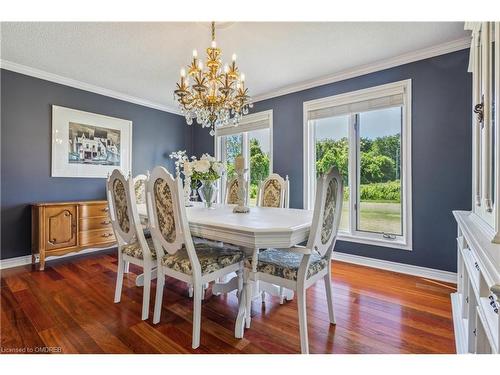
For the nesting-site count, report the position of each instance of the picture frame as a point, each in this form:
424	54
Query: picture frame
91	145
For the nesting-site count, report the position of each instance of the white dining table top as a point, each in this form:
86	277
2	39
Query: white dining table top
259	219
262	226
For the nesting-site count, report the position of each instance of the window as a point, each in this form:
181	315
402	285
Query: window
253	139
366	135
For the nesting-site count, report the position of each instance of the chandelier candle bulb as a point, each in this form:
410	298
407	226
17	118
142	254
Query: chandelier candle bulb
195	53
234	57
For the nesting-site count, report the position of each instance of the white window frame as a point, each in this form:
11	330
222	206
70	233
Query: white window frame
405	241
244	127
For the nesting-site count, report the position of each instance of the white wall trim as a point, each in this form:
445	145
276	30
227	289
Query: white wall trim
15	262
440	49
428	273
406	58
408	269
26	259
37	73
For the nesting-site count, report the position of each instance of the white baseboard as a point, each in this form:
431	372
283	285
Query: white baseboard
24	260
408	269
428	273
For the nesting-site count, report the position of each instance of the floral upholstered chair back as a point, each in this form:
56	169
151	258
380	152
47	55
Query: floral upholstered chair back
140	188
327	211
274	192
166	212
232	191
119	193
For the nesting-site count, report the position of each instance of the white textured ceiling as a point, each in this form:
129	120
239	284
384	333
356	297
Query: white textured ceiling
143	59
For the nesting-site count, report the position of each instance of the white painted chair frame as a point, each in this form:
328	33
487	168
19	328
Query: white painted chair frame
284	203
144	178
229	184
284	194
182	237
314	242
135	234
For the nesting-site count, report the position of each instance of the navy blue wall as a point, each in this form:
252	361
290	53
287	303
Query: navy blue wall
441	143
26	139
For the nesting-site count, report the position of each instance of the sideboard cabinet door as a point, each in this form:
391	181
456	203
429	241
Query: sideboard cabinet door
60	227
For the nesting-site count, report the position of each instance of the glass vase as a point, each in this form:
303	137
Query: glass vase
208	193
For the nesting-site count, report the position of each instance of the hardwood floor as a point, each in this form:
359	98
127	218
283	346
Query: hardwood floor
70	306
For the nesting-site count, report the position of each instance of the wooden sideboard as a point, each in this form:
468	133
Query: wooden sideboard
59	228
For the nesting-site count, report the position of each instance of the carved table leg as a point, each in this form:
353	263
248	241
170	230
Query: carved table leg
239	326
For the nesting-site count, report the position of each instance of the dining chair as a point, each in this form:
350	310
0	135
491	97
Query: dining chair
231	196
140	198
133	247
299	267
274	192
177	255
140	188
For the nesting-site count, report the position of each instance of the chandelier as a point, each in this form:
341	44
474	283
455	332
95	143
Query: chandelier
215	96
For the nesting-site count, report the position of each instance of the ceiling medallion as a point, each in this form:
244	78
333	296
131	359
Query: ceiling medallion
217	95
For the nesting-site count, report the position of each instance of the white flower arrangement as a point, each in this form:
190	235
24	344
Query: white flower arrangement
207	168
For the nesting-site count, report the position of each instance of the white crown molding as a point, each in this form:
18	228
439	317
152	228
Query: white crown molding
406	58
37	73
428	273
440	49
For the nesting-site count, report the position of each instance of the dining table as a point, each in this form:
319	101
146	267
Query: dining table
260	228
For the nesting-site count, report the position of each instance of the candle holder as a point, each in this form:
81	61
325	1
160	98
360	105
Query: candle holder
241	207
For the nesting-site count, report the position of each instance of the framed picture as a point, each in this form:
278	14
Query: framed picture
86	144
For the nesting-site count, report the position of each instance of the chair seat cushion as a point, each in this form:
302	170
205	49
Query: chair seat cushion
285	264
211	257
135	250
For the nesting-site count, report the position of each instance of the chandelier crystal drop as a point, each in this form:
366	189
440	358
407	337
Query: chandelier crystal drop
212	94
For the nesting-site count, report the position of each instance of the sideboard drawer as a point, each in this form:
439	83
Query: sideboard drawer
92	223
96	237
93	210
473	268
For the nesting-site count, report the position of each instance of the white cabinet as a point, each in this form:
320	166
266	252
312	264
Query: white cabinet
477	300
484	65
476	303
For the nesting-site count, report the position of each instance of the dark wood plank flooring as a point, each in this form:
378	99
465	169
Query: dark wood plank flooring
70	306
